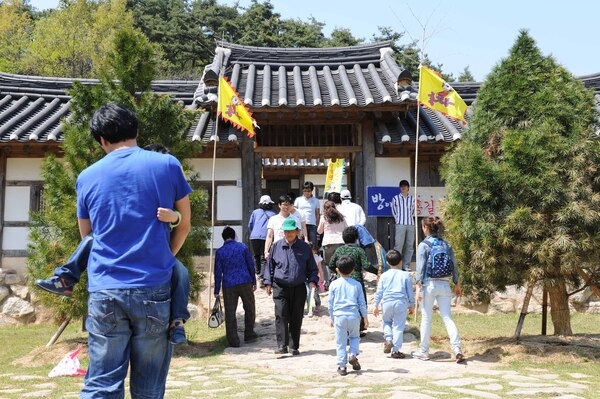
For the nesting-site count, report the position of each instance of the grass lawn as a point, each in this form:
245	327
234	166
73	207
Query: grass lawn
26	361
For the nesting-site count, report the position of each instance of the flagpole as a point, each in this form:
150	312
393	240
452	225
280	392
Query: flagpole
416	184
215	139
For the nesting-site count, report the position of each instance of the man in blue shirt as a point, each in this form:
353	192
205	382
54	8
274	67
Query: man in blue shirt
234	270
289	265
131	261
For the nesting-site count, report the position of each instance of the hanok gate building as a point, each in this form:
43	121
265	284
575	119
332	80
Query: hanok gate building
312	105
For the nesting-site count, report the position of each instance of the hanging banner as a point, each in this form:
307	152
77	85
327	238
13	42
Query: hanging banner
379	200
335	173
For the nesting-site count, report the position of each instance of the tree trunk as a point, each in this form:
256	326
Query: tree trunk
559	309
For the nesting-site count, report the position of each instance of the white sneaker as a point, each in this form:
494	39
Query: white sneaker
420	355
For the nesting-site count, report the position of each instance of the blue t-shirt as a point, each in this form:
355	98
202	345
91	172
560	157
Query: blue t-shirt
120	194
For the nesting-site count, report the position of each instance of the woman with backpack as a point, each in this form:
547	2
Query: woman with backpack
436	265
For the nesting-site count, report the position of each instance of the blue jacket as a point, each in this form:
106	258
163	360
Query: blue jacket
290	265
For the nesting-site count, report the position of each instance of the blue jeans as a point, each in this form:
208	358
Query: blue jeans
437	290
404	239
128	327
394	318
346	330
180	279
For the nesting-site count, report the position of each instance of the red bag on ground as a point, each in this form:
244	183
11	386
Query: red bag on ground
69	366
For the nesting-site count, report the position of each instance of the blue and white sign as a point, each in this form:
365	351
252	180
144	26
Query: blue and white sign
379	200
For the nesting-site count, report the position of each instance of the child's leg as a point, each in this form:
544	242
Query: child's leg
341	338
180	292
78	261
387	317
353	326
67	275
399	320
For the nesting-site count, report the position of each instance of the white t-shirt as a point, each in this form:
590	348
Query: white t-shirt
353	213
275	223
309	207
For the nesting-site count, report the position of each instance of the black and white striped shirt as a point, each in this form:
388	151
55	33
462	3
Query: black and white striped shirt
403	209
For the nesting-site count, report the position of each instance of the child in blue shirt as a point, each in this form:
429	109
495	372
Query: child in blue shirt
347	306
395	292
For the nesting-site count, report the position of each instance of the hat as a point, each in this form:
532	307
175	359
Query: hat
265	199
345	194
404	183
289	224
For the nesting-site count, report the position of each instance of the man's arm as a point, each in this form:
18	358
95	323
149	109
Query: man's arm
362	218
268	242
180	232
85	227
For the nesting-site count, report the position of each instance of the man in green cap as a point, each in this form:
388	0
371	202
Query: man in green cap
289	265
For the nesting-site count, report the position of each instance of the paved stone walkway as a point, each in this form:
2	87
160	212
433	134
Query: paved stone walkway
254	371
313	374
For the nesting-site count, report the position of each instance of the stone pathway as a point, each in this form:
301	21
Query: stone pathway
258	372
254	371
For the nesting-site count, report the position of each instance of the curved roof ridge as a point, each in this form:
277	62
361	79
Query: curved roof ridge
275	55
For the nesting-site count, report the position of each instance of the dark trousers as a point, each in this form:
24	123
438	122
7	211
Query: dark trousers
258	251
231	295
311	231
289	312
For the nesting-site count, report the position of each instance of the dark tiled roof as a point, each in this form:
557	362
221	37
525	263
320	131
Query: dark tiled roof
32	108
366	76
330	77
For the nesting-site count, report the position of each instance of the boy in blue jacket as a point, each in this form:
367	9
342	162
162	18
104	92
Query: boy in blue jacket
347	306
394	290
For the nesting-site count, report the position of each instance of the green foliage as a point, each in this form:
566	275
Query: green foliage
54	232
524	196
15	30
73	40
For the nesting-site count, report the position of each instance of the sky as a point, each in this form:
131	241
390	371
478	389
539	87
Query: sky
473	33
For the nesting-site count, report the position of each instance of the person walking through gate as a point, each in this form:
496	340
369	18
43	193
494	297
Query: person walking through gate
234	270
290	264
434	288
258	231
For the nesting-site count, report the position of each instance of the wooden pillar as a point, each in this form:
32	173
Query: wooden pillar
3	163
367	166
251	168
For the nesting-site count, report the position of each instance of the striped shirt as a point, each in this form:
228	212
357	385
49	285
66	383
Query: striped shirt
403	209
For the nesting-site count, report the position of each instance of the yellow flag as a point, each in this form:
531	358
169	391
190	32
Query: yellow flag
435	93
232	109
333	179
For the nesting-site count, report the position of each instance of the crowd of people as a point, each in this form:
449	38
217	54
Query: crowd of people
138	291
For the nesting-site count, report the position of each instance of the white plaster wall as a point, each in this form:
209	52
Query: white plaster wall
16	205
24	169
389	171
229	203
15	238
225	169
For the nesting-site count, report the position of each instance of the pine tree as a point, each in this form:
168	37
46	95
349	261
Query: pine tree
524	193
54	233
